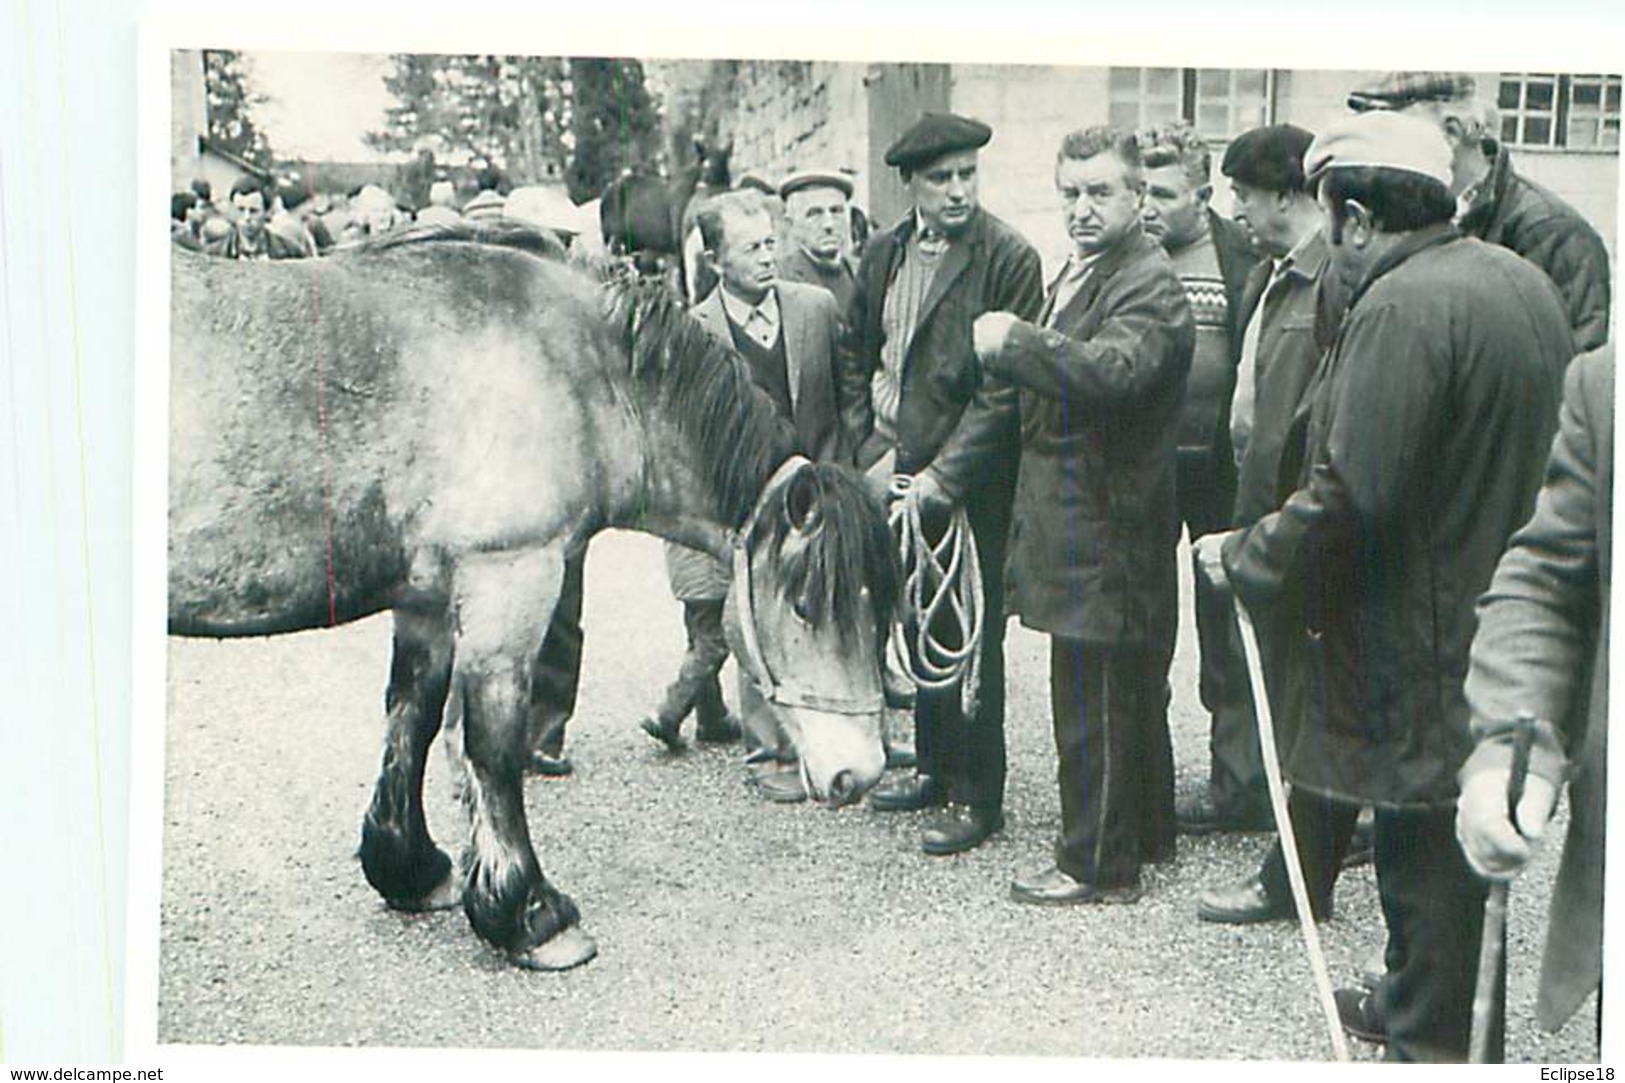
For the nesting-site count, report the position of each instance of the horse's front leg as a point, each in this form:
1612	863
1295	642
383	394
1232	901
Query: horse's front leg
503	602
401	861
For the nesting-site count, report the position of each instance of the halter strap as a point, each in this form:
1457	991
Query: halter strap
772	689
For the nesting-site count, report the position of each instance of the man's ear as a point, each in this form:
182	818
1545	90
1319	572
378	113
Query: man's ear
1358	223
1204	194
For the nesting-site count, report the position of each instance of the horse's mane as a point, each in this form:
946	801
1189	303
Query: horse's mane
738	437
848	547
499	232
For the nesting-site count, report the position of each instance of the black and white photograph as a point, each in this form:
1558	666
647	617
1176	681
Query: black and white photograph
927	557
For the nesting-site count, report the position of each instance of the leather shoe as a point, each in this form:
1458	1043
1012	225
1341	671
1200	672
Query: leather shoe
1357	1011
1053	887
664	732
782	787
900	755
550	766
959	828
715	732
1206	820
1241	904
907	795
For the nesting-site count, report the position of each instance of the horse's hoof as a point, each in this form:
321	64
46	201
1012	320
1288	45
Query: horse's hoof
445	895
570	948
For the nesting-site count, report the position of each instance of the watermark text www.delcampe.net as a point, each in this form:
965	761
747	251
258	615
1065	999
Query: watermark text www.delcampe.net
87	1075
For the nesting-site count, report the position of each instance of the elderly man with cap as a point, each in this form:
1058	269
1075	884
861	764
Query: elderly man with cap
1427	435
1288	314
1494	202
916	404
1092	553
818	229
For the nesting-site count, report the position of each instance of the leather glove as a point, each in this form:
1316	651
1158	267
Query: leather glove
927	490
1494	847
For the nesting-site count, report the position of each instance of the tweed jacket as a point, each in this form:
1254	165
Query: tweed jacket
949	418
1519	214
809	322
1426	442
1096	523
1542	647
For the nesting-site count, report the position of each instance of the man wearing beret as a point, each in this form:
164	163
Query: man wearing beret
1289	311
1101	375
818	229
1494	202
916	404
1427	437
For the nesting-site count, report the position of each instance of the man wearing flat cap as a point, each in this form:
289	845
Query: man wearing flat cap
818	229
1289	312
1494	202
1428	428
916	404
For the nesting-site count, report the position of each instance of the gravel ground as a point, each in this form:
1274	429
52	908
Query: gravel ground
724	923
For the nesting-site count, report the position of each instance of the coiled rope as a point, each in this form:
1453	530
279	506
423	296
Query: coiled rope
936	639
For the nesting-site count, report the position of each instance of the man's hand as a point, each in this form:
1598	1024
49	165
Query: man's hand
925	489
1209	549
1495	848
988	335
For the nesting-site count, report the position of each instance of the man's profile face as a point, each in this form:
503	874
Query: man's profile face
250	208
1173	207
1259	211
1100	202
944	191
746	259
818	220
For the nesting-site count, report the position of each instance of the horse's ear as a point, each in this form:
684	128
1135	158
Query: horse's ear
801	508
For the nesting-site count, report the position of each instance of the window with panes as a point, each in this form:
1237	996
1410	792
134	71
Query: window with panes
1544	109
1219	102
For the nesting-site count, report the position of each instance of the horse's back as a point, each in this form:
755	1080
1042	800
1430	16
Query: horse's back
336	422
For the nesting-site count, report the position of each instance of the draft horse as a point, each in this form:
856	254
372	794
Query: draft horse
426	426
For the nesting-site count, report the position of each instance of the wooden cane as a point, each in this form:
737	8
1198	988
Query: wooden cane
1283	825
1492	948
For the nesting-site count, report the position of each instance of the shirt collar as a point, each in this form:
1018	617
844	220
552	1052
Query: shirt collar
740	310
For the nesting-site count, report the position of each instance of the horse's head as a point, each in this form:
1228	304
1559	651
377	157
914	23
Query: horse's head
815	586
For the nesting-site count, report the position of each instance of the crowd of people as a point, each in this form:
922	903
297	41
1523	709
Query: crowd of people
1345	393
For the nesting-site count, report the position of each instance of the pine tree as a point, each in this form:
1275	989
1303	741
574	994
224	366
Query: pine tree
228	85
613	123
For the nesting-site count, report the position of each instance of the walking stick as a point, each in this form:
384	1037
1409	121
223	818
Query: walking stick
1283	825
1492	948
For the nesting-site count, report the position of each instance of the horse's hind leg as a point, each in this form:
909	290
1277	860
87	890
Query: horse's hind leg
400	859
503	603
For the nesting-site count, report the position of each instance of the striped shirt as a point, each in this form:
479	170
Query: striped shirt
900	317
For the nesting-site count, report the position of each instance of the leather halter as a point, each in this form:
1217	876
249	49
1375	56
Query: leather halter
776	691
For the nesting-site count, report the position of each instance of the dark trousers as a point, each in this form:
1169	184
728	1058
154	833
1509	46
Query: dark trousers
966	753
558	665
1322	828
696	688
1434	907
1206	493
1115	762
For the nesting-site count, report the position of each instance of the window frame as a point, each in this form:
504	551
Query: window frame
1189	101
1564	112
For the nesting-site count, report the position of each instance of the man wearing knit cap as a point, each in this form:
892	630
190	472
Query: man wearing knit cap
1288	314
1427	435
1494	202
916	404
818	232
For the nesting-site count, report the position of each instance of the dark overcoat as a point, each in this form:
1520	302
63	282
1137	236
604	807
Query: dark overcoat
1096	523
1542	647
1516	213
1426	443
